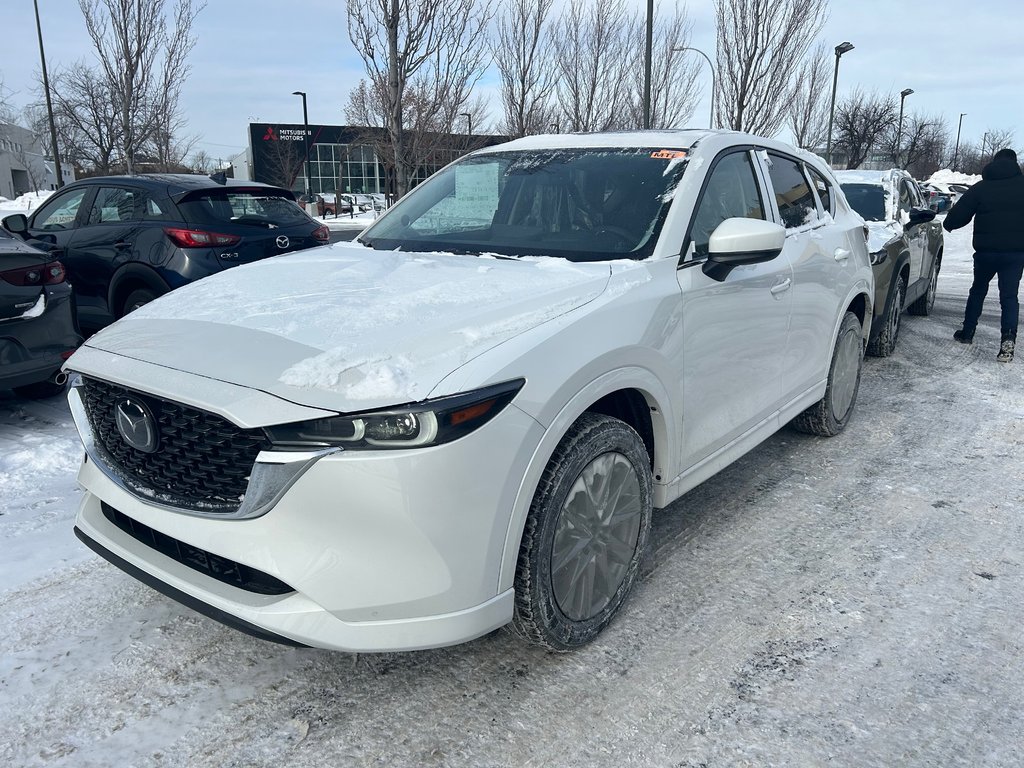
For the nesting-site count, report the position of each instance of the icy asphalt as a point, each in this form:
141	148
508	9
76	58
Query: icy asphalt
855	601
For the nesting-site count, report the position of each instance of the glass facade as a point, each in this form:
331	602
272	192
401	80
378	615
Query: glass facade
345	168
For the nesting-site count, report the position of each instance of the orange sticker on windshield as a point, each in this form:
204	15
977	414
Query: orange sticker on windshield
668	154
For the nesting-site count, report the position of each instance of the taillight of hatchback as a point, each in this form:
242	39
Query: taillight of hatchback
51	273
198	238
322	233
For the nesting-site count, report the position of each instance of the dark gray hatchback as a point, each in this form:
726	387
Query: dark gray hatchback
37	322
127	239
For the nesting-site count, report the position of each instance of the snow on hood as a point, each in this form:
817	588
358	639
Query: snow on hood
348	328
880	233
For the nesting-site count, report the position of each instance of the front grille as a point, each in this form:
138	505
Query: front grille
202	461
214	566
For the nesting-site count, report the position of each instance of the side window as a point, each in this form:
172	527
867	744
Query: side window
824	189
906	197
792	192
731	192
113	204
60	212
151	208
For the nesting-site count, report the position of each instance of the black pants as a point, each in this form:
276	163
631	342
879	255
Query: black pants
1009	267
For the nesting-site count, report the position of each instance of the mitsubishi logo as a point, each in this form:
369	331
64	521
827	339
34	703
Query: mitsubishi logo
136	425
282	241
269	135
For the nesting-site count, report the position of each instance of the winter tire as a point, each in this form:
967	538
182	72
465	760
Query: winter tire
828	416
136	299
885	342
585	534
923	305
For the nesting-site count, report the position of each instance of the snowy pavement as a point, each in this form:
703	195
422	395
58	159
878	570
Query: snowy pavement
854	601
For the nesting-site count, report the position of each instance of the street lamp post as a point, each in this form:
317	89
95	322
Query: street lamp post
957	150
648	47
899	131
842	48
711	112
469	120
305	138
58	176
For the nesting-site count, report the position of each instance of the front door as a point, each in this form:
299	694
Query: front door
734	331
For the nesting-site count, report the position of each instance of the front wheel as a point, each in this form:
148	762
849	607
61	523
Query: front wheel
585	534
828	416
885	343
924	304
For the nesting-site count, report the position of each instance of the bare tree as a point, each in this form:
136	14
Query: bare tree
524	62
143	62
201	162
284	160
862	122
808	110
595	65
919	145
87	127
995	139
761	44
674	73
429	53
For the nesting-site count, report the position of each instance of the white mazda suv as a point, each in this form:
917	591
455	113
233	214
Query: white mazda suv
465	418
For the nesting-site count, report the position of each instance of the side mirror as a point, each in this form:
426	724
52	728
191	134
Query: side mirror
16	223
920	216
737	242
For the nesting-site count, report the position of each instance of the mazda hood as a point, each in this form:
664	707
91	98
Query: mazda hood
348	328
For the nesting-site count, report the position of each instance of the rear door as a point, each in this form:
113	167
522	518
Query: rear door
818	253
105	241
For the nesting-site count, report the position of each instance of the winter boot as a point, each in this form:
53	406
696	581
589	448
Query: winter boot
1006	350
964	336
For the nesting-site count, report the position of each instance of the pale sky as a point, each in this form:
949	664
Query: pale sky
250	56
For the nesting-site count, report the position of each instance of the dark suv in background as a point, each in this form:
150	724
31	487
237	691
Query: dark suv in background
127	239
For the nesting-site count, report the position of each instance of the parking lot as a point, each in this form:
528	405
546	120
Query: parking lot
852	601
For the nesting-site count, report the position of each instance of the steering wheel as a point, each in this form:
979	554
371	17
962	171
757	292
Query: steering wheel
626	238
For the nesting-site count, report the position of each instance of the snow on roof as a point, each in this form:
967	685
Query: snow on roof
868	177
662	138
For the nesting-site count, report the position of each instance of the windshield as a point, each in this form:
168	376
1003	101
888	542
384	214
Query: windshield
254	207
577	204
866	199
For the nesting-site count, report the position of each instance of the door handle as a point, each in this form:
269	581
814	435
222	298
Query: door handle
781	286
841	254
122	244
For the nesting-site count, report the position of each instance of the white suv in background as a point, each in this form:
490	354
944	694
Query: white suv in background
465	418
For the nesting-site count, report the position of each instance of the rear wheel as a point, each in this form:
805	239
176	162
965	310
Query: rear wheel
923	305
885	343
585	534
136	299
828	416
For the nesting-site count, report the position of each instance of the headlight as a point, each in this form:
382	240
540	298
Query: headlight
431	422
878	257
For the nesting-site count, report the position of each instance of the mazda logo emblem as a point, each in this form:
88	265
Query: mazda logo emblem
282	241
136	425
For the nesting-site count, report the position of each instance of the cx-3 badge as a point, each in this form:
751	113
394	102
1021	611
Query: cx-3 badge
136	425
282	241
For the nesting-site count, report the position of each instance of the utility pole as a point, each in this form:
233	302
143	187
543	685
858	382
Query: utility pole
648	47
59	177
957	150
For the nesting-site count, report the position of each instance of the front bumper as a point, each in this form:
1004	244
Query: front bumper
385	550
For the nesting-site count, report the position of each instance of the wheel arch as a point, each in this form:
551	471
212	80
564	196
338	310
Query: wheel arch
633	396
132	277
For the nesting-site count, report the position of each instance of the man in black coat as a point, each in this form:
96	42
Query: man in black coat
996	203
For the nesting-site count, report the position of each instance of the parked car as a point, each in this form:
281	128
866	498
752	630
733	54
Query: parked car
127	239
37	321
936	199
329	205
905	244
465	418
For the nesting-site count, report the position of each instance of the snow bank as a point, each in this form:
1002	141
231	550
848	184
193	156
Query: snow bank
26	202
946	176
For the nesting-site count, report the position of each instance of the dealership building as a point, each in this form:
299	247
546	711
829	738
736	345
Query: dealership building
340	158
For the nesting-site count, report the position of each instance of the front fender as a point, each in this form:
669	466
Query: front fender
665	446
